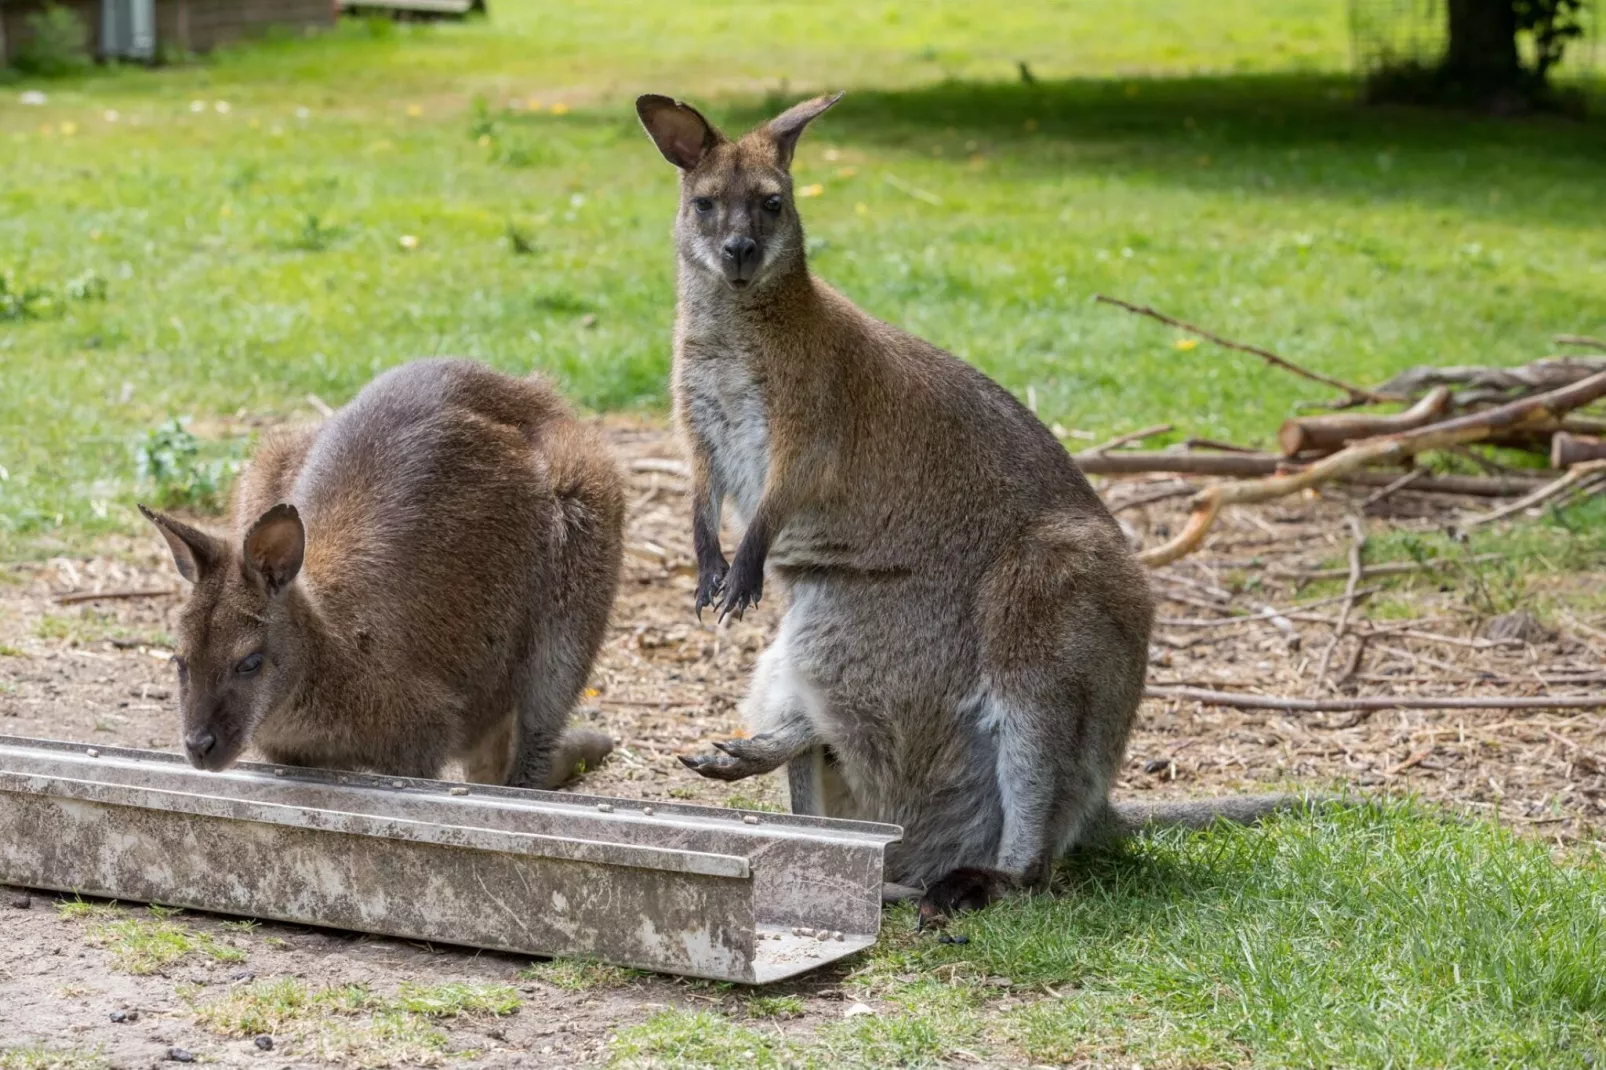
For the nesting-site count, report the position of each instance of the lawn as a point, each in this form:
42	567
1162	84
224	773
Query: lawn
243	240
287	219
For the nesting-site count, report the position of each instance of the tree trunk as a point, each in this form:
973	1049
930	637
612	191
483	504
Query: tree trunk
1482	53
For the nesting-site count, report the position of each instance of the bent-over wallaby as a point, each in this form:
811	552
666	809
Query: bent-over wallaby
427	576
966	638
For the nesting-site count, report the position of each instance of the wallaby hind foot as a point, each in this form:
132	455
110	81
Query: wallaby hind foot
579	750
972	888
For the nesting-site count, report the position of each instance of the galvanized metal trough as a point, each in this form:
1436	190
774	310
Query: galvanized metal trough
725	894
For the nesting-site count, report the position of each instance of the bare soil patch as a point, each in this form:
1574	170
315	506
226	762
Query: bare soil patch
97	670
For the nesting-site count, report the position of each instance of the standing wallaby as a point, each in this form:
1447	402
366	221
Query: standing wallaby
966	639
428	576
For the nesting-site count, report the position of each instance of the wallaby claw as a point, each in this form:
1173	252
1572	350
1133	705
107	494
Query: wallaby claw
742	589
710	585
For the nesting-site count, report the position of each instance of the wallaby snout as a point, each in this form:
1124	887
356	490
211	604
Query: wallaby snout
740	259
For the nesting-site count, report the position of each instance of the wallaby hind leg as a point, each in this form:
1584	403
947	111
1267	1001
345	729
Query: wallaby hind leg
489	760
779	709
579	750
550	687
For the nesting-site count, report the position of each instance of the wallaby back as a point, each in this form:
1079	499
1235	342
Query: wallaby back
433	565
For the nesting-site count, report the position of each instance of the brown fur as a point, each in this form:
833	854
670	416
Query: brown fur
426	577
966	639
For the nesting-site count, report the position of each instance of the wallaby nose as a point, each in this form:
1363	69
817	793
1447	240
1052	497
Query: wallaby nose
199	745
741	254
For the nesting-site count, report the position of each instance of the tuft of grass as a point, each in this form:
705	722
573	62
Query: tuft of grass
701	1040
774	1007
9	651
753	802
350	1023
578	975
146	946
39	1057
457	1000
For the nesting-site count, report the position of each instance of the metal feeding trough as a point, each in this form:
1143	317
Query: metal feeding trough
724	894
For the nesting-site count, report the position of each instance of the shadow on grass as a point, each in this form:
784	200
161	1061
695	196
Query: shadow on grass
1263	134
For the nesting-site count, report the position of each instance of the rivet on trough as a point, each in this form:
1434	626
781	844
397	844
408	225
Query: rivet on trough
281	772
606	808
93	752
459	791
648	811
398	783
749	819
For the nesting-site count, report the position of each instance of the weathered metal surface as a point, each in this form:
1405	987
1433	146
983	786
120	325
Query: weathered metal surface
679	889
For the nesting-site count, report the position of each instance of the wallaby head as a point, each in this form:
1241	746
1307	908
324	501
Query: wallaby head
240	651
737	220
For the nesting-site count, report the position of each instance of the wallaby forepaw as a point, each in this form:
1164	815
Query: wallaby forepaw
961	890
710	585
744	587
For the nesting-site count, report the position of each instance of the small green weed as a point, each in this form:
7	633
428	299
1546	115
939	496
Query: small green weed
703	1039
752	802
169	461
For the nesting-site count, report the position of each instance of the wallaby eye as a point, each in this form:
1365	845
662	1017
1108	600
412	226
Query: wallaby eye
704	205
248	664
772	203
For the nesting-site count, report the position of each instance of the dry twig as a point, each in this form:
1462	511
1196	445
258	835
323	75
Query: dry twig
1356	569
1580	473
125	593
1356	393
1376	702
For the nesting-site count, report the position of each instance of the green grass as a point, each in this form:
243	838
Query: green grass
351	1024
38	1057
1204	159
576	975
146	946
1371	937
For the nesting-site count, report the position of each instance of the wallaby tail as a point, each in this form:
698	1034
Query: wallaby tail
585	480
577	750
1123	819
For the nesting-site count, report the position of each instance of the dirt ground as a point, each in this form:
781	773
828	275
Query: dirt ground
97	670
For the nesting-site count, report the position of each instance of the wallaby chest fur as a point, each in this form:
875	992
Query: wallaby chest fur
966	631
460	537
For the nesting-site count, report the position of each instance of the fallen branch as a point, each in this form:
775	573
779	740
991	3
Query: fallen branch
1356	393
1580	340
1567	449
1586	472
1248	465
1323	434
1375	702
1482	385
661	465
1534	412
125	593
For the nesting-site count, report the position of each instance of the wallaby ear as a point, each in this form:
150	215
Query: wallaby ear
788	126
195	553
679	130
275	546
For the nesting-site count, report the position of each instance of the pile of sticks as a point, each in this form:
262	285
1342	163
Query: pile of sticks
1538	406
